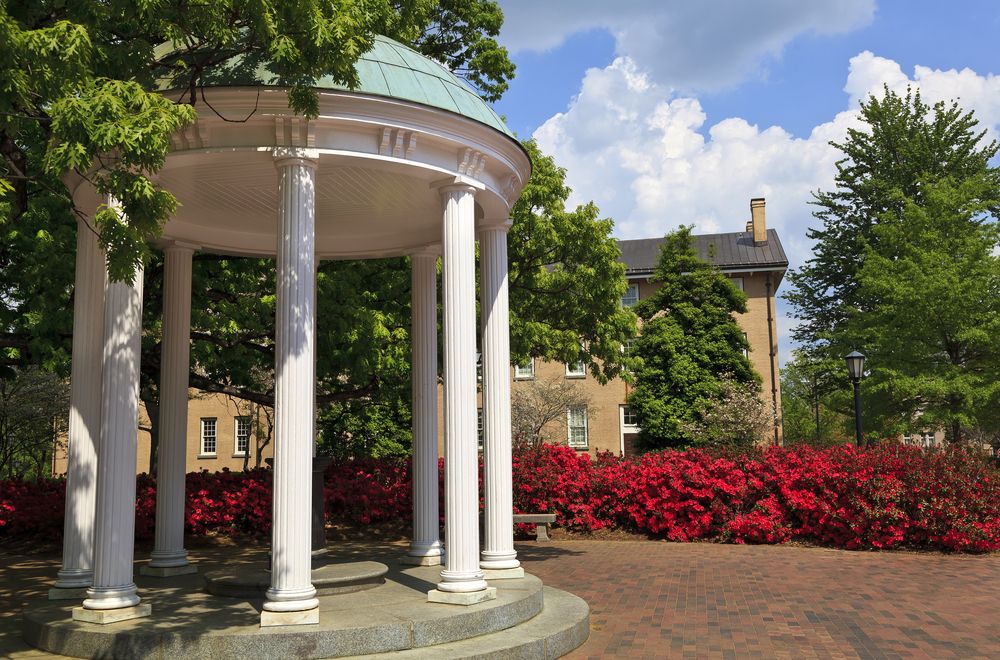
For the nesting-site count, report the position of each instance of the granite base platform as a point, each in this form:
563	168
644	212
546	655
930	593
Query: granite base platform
526	620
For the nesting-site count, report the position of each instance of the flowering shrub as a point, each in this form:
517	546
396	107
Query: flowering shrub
889	497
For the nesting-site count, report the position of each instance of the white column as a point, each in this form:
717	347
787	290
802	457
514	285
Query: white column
425	548
461	580
292	598
169	556
114	531
77	572
499	559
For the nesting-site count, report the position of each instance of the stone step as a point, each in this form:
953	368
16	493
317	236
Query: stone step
561	626
329	578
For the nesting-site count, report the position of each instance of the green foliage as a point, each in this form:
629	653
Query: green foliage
76	83
904	266
357	428
34	415
806	385
566	279
689	341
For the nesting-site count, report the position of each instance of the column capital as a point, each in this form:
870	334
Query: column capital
286	156
457	183
429	250
494	224
178	246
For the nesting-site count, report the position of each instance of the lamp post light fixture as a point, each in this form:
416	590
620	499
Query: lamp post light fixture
856	369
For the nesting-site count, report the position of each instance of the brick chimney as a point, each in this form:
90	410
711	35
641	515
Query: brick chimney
757	222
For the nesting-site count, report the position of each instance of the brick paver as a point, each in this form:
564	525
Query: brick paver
652	599
656	599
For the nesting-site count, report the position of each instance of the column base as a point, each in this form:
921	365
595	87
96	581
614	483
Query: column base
167	571
462	598
68	593
503	573
297	618
104	617
429	560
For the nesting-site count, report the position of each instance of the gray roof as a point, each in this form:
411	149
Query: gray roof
732	251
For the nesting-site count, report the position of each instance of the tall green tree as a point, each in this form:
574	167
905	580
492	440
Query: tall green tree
689	342
914	177
934	334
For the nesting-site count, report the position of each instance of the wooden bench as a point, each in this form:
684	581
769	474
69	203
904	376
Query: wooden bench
541	520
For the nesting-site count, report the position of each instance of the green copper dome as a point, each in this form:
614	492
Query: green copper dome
389	69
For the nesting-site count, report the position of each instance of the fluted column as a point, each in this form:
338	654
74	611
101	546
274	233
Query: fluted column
114	532
499	559
291	599
77	572
169	556
425	547
461	580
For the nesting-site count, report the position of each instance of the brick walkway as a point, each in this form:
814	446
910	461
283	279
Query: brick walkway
666	600
651	599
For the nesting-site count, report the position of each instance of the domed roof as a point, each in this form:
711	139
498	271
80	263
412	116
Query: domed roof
389	69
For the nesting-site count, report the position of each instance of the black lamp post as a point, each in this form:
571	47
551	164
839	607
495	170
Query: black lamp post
856	368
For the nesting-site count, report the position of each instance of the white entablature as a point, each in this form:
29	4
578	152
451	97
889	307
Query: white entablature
221	169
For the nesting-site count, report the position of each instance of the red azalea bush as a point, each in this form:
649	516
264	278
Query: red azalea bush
889	497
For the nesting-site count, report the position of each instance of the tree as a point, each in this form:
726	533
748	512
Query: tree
736	417
566	278
78	85
816	408
934	336
34	416
689	341
915	177
536	404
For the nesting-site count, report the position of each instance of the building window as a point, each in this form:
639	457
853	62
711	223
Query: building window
208	436
737	282
242	435
576	370
746	348
907	438
629	417
525	371
631	296
576	427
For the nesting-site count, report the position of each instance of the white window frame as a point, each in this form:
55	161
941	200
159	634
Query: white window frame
737	282
626	411
746	351
908	438
525	371
573	372
628	295
214	436
236	434
569	429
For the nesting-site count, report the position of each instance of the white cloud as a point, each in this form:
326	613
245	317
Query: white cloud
690	45
639	152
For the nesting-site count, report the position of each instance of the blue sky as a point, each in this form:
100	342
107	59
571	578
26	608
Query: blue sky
677	112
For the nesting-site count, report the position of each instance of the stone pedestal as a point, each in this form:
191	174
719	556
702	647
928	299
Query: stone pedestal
462	597
104	617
